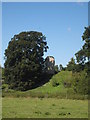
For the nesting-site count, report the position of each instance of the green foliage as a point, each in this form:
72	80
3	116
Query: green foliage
5	86
61	67
0	70
82	69
61	90
55	83
68	81
84	54
71	65
3	72
56	69
80	82
24	60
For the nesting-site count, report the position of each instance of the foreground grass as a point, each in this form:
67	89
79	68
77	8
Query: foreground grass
44	108
0	106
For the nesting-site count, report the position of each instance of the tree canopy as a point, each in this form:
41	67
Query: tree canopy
81	81
83	56
24	60
71	65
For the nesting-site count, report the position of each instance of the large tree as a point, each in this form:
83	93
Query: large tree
24	60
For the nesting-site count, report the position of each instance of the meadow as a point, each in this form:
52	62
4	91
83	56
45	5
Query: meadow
44	108
52	100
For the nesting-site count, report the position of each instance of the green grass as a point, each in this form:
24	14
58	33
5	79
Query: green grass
44	108
0	107
46	101
48	90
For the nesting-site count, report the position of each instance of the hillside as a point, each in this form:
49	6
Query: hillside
46	97
56	87
56	84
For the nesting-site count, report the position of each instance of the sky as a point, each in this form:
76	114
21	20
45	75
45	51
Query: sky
62	23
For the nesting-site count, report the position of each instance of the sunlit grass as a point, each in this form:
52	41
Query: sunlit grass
44	108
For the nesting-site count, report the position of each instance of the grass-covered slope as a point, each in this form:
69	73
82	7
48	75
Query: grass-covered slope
54	88
51	88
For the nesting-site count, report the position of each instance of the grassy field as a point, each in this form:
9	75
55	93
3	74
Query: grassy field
44	108
0	107
47	101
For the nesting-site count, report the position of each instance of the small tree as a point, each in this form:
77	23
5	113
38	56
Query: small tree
56	69
60	67
71	65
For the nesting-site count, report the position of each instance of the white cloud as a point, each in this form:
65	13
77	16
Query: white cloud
69	29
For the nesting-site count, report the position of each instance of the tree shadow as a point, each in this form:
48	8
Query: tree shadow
45	78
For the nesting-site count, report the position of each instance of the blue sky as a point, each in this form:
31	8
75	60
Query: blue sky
62	24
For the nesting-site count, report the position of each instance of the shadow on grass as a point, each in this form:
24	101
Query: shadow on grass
45	78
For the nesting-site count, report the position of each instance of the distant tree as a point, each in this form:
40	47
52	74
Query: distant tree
71	65
3	77
60	67
24	60
56	69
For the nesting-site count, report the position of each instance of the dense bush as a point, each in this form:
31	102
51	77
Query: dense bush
68	81
4	86
80	82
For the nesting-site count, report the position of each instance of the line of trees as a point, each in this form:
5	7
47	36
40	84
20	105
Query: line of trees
81	68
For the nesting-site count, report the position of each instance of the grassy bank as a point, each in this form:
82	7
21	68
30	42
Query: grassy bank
53	89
